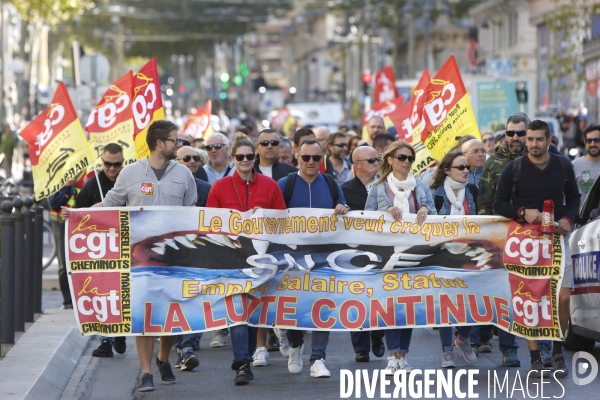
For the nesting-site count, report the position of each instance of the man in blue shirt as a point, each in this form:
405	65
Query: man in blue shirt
311	190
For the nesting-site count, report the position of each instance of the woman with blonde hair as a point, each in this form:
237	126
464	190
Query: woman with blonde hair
399	193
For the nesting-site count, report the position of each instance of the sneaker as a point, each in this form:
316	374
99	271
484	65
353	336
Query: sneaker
403	364
475	349
284	344
448	359
465	350
546	354
558	364
485	347
393	366
537	369
179	360
119	344
219	339
510	359
243	375
295	363
146	384
260	357
104	350
362	356
272	342
377	346
189	361
319	370
166	373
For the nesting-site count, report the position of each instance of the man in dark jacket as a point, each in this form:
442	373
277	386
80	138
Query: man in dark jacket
366	163
189	157
267	162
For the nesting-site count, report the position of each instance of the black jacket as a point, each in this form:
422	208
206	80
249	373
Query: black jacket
90	193
201	174
280	170
355	194
203	188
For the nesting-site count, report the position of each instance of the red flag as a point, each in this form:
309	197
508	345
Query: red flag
408	117
198	124
385	85
382	110
279	120
147	105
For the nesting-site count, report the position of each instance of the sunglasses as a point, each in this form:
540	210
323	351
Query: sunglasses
217	146
404	157
188	158
176	141
371	160
240	157
306	158
490	139
595	140
513	133
341	145
461	167
265	143
112	164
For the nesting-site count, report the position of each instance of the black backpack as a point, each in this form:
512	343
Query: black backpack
288	192
516	170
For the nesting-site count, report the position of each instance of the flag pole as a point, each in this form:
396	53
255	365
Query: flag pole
98	179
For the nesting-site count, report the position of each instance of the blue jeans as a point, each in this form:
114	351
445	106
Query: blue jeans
446	336
320	340
398	340
243	341
188	340
361	340
481	332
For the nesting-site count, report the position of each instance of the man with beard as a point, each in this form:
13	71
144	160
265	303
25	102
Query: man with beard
267	162
588	167
340	167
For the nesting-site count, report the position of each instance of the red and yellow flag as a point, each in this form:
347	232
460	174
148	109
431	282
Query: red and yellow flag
385	85
198	124
279	120
58	150
447	112
383	110
111	121
147	105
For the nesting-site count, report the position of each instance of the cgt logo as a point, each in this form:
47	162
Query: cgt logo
147	189
55	116
97	296
525	246
94	236
531	302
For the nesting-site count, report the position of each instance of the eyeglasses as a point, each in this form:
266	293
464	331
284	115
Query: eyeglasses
188	158
112	164
479	151
461	167
371	160
595	140
176	141
490	139
217	146
404	157
518	133
306	158
240	157
265	143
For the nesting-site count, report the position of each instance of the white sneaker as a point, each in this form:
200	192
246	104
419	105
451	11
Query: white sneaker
404	364
284	344
318	369
448	359
392	366
219	339
295	363
465	350
260	357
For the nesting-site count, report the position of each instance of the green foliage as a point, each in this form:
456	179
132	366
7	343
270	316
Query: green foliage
52	12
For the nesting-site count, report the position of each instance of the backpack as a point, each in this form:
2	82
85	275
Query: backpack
288	192
439	200
516	170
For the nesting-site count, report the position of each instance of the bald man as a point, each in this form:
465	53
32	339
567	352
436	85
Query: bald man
322	133
375	126
475	154
366	164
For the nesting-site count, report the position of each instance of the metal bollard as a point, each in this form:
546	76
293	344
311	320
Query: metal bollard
37	259
7	286
19	264
28	267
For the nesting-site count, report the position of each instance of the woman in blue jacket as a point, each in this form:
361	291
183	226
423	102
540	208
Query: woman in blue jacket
399	193
454	196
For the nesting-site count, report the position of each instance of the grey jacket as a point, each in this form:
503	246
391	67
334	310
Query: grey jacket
137	185
379	201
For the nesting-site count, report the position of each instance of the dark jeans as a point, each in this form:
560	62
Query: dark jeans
398	340
362	340
243	341
320	340
188	340
58	231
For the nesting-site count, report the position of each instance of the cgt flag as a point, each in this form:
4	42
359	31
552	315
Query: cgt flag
385	85
383	110
198	124
111	121
447	112
147	105
57	147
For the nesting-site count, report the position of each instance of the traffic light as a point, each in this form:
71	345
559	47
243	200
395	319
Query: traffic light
366	79
238	80
521	92
224	77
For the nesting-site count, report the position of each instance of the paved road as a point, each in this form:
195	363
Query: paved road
115	378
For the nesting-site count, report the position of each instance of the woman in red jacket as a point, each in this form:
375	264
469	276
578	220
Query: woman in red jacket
245	190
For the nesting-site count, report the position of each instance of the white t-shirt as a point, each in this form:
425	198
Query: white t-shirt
266	171
585	174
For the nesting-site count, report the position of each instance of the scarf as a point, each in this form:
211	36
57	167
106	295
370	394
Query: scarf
456	202
401	191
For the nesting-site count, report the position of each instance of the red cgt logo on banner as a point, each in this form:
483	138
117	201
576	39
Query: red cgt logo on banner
97	296
93	236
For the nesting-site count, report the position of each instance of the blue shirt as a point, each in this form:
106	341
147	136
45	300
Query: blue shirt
475	176
312	195
214	175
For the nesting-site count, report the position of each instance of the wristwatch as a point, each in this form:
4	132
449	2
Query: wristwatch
522	214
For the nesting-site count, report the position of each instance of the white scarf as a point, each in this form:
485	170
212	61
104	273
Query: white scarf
456	202
401	191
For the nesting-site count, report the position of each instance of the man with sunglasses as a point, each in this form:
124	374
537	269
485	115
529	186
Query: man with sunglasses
189	157
219	161
267	159
588	167
340	166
